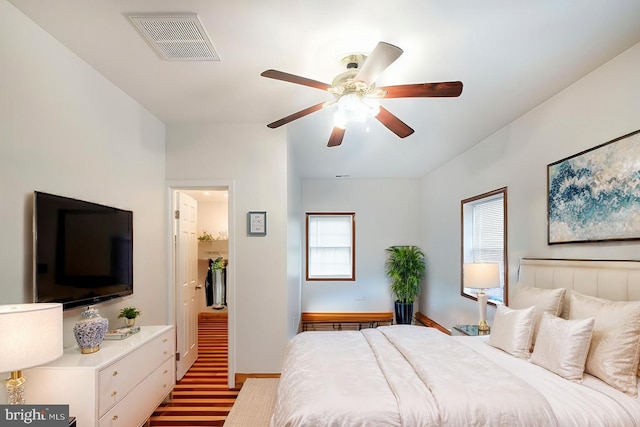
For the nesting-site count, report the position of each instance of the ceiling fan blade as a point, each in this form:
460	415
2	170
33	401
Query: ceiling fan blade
292	78
380	58
336	137
443	89
294	116
393	123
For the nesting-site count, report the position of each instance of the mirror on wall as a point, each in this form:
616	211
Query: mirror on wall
484	240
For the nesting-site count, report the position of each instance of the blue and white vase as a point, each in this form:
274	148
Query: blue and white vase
90	330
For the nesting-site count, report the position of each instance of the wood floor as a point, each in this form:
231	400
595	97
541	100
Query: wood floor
202	397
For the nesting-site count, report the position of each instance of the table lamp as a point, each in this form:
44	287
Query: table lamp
481	275
31	335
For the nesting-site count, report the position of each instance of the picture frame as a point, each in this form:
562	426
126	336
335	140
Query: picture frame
256	223
594	196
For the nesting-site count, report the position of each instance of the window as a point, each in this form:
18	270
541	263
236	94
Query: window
484	238
331	246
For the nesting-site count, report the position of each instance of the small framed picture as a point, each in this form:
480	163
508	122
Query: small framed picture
256	223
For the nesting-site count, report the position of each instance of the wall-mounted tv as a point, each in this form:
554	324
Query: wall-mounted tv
83	251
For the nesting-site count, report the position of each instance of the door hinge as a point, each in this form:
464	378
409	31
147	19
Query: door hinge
176	214
177	357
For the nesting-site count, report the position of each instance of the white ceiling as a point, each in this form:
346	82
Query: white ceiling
511	55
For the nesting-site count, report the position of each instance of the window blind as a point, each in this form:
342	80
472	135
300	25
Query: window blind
488	232
330	246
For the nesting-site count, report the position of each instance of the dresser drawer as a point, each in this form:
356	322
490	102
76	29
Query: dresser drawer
143	400
122	376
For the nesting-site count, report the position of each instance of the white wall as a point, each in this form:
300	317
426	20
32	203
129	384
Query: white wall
254	158
294	246
598	108
65	129
387	213
214	218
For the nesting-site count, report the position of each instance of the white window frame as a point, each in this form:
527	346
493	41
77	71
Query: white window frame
332	253
491	238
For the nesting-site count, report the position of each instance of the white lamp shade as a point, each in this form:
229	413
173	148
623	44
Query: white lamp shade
481	275
31	335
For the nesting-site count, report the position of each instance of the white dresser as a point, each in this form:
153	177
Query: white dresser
120	385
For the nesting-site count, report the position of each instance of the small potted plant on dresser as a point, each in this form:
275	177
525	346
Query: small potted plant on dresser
129	314
405	266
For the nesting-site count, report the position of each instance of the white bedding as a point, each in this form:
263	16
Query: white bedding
416	376
591	403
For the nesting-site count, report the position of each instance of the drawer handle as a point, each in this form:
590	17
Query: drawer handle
164	386
165	371
114	373
165	340
115	417
115	392
164	352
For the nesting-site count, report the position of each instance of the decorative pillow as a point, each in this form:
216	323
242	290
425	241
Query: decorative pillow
562	345
615	344
549	300
512	330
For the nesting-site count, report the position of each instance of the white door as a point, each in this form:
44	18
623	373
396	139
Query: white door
186	258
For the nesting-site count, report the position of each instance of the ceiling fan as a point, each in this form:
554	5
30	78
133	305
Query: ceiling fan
356	94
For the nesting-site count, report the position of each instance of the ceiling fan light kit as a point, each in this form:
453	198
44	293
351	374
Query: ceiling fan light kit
356	95
354	108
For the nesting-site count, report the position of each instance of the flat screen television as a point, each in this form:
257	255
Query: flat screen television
83	251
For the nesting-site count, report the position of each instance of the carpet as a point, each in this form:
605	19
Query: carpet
255	403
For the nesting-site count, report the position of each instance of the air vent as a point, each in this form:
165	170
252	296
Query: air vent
176	37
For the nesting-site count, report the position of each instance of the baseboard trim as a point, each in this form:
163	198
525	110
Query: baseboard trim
421	318
241	378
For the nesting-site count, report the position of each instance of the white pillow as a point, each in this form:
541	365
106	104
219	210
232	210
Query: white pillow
615	344
549	300
562	345
512	330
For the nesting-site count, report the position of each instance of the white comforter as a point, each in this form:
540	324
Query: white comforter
412	376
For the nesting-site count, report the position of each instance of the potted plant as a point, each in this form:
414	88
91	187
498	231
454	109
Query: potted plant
205	236
129	314
405	266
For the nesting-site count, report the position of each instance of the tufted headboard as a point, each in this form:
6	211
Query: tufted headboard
613	280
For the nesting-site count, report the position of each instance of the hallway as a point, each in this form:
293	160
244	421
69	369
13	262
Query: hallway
202	397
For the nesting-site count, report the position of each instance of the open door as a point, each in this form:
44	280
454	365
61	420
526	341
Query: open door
186	261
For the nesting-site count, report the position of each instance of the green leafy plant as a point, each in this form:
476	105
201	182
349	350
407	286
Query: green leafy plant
205	237
218	264
129	313
405	266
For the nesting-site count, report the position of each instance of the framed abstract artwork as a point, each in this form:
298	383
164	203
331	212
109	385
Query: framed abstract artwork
594	195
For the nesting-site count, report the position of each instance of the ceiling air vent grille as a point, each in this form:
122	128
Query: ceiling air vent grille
176	37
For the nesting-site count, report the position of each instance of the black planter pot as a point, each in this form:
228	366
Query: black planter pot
404	313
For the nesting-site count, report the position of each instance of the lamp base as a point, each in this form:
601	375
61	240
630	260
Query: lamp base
483	326
15	388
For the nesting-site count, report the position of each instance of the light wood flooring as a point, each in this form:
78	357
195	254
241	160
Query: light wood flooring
202	397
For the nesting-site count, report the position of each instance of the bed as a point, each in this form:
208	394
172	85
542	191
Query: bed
565	353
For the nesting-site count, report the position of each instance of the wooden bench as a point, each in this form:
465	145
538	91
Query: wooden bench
344	321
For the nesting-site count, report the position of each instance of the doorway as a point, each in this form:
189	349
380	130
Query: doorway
213	250
214	225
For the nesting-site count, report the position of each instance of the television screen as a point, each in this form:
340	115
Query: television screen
83	251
